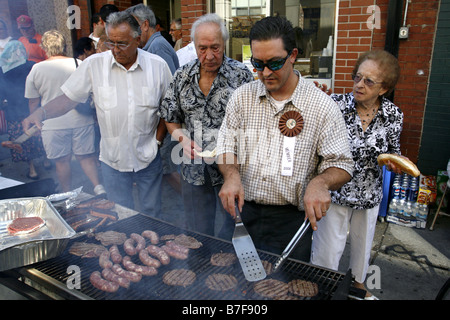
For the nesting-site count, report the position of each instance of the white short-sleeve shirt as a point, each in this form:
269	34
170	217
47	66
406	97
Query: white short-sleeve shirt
127	102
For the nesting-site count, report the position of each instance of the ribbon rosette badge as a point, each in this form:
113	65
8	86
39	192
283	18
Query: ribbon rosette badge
291	123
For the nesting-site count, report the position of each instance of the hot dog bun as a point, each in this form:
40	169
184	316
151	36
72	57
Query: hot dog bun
406	165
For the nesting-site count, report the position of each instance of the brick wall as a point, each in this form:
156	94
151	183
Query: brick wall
190	11
355	37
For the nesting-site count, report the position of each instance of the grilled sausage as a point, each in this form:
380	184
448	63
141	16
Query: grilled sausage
178	247
142	270
129	248
98	282
116	257
104	261
139	240
147	260
109	275
130	275
159	253
174	253
151	235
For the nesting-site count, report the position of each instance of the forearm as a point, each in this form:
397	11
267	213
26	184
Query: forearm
333	178
161	131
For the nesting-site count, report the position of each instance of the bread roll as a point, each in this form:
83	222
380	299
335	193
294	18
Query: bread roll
406	165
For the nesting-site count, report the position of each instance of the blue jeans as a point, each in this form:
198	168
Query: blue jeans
119	187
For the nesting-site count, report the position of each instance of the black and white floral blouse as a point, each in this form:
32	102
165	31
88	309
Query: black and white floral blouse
202	115
365	189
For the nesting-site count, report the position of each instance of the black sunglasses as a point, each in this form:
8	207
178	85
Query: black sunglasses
272	65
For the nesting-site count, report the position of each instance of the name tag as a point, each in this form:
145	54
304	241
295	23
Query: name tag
287	162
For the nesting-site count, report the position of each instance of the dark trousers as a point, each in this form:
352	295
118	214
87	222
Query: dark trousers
202	207
272	228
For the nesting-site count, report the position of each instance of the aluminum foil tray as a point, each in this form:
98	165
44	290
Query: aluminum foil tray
45	243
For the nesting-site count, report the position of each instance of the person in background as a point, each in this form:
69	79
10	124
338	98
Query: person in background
151	40
127	85
4	35
175	32
197	98
101	46
160	28
98	28
282	145
72	133
13	74
84	47
374	125
30	39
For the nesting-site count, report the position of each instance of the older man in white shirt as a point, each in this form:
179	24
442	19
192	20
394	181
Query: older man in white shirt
127	85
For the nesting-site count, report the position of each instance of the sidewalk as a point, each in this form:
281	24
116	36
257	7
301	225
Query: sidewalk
408	264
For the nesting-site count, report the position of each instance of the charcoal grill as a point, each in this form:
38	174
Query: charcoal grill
52	274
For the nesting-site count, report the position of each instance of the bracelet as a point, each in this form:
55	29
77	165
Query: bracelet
159	143
44	112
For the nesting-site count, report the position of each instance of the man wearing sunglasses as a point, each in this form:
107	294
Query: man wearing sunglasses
127	85
30	39
282	145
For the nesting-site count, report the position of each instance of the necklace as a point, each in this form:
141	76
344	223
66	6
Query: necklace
367	115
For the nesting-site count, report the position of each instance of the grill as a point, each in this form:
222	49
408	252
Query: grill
332	285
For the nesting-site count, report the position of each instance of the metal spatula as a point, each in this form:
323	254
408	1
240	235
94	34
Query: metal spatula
246	252
291	245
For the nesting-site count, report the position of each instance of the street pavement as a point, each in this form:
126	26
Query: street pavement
406	263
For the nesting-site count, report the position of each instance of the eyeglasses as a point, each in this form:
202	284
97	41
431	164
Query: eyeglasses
110	45
368	82
273	65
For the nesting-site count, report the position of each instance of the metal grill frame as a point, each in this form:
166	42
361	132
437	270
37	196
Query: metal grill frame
52	273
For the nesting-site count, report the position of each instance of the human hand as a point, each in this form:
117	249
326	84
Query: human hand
323	87
316	202
231	192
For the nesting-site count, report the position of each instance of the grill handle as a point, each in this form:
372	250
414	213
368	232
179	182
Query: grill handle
291	245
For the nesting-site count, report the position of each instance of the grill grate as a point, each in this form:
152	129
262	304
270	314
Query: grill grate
198	262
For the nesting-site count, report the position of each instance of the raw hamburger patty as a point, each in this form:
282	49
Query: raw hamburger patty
179	277
223	259
271	288
221	282
303	288
25	225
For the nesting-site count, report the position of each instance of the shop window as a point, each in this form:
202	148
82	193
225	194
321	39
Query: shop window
313	20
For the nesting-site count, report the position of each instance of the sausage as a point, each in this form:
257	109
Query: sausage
104	261
129	248
130	275
147	260
98	282
178	247
109	275
142	270
159	253
151	235
116	257
174	253
139	240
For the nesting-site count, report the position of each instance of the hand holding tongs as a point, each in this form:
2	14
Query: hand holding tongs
291	245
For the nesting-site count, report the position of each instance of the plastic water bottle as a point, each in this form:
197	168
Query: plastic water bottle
393	207
423	211
408	210
413	189
401	207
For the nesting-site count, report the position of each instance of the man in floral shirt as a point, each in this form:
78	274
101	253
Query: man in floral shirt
197	98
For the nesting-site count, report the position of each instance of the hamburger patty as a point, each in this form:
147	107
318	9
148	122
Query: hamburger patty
303	288
223	259
179	277
271	288
221	282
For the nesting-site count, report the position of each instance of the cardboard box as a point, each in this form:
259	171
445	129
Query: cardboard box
406	222
441	183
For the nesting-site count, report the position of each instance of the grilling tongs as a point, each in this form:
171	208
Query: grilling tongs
246	252
291	245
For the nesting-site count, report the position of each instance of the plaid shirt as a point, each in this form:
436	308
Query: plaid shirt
202	115
250	130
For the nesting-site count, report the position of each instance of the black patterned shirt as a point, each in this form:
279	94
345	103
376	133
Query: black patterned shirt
365	189
202	115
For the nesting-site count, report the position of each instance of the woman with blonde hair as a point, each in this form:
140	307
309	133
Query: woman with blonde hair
72	133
